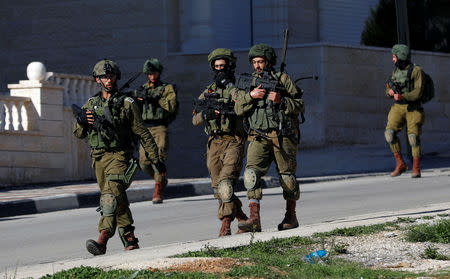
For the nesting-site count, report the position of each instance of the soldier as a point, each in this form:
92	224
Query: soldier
274	135
158	104
109	120
407	108
225	148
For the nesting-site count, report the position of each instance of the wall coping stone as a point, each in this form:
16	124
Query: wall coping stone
34	84
321	44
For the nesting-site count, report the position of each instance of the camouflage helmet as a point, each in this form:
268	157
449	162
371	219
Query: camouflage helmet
222	53
263	50
402	52
152	65
104	67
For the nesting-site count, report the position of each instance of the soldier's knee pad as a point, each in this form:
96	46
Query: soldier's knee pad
390	136
108	204
251	183
251	179
414	140
289	184
225	190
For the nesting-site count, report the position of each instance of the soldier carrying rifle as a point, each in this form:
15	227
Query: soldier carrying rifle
110	120
271	106
225	148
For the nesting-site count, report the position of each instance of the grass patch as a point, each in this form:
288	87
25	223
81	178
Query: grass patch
91	272
438	232
359	230
432	252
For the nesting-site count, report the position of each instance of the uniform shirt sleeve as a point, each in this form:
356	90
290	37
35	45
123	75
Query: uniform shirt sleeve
197	118
168	99
292	101
137	126
416	92
78	130
244	103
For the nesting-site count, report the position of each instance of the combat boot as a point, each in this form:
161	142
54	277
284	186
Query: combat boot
158	193
225	229
416	168
400	166
252	224
98	247
131	242
240	216
290	219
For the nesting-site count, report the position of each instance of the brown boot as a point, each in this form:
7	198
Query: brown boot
132	242
240	216
416	168
158	193
400	166
98	247
252	224
290	219
225	229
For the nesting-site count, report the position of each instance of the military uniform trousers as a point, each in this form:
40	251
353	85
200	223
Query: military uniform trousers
414	119
262	152
224	161
114	163
161	136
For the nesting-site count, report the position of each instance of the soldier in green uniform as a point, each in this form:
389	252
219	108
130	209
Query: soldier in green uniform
274	135
407	108
225	148
158	103
110	121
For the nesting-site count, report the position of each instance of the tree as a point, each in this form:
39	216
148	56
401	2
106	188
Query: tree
428	31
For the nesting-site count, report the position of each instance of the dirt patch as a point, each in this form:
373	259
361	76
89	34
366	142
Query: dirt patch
209	265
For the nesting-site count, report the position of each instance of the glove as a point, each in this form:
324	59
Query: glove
208	114
160	167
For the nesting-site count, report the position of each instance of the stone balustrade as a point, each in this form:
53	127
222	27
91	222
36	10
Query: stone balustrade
14	114
77	88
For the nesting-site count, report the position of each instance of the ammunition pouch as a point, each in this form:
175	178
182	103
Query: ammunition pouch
128	177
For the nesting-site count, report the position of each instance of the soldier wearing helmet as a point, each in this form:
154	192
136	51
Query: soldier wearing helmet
109	119
225	148
407	108
158	103
274	135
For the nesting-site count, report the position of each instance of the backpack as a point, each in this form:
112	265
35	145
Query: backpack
428	86
174	114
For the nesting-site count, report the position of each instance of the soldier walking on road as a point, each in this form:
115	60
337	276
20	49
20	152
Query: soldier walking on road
274	134
110	120
225	148
158	103
407	108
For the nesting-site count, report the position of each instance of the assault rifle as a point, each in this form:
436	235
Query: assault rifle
101	124
211	102
390	83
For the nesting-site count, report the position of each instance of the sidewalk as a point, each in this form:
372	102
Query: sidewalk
315	165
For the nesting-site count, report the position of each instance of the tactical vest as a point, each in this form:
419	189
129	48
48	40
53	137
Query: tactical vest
122	132
401	77
226	123
268	116
151	111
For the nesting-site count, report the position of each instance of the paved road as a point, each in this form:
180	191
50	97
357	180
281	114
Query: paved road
43	238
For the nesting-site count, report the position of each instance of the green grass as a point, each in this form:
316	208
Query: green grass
97	273
432	252
438	232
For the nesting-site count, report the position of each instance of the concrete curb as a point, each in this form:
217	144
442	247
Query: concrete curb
145	193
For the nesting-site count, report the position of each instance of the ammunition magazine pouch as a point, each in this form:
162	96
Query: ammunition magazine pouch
128	177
